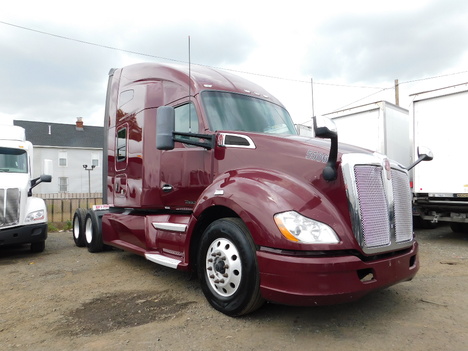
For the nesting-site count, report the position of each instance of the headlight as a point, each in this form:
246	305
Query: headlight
298	228
35	216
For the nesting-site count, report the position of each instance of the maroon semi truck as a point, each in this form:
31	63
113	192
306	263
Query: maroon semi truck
204	171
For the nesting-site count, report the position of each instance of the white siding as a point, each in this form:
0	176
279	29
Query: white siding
74	171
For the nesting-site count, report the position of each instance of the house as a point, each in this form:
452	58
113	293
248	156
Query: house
63	150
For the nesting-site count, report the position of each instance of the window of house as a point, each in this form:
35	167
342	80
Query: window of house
63	184
95	159
63	159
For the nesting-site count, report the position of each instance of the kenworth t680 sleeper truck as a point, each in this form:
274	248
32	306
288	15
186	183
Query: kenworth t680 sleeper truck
204	171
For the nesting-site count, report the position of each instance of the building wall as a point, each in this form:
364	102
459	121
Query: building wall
70	169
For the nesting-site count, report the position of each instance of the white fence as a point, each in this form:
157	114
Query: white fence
62	206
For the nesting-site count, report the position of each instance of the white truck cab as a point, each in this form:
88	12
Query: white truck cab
23	218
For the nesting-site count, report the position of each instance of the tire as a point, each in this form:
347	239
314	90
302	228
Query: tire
228	269
459	227
79	227
420	223
92	232
38	246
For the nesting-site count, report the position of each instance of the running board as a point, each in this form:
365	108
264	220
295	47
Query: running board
163	260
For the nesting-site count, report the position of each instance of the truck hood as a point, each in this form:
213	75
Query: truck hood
14	180
298	156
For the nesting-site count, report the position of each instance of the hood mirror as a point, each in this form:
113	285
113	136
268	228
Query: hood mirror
325	128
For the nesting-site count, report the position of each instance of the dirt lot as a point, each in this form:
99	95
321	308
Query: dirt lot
68	299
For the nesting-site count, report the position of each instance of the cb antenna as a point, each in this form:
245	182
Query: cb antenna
189	86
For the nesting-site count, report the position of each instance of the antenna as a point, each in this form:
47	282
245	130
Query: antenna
189	86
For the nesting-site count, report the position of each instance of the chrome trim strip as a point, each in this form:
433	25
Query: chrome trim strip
163	260
222	142
171	227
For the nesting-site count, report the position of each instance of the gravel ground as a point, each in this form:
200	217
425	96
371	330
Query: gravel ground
68	299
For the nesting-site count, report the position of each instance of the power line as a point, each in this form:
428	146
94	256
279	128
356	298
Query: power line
175	60
228	69
89	43
407	82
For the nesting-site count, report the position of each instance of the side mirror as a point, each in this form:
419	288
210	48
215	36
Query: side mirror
44	178
165	126
325	128
424	154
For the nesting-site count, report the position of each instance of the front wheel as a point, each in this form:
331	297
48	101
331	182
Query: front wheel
228	269
38	246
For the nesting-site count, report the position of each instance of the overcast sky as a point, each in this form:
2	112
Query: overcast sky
353	50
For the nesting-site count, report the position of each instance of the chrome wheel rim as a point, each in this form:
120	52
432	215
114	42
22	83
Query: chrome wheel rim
223	267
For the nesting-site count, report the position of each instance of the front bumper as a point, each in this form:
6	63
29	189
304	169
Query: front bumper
25	234
308	281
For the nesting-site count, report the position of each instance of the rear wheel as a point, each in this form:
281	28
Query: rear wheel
79	227
420	223
92	230
228	269
459	227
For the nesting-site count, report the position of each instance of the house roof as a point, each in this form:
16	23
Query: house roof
62	135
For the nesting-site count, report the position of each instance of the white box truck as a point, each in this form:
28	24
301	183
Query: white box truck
23	218
379	126
440	122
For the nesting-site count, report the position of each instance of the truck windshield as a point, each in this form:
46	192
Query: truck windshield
13	160
237	112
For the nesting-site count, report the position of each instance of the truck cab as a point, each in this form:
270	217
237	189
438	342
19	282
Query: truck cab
23	218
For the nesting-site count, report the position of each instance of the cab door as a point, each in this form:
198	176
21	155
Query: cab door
185	171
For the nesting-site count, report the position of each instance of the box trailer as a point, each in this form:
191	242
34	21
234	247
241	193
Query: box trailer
379	126
439	121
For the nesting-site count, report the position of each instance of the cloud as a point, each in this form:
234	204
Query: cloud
49	78
379	47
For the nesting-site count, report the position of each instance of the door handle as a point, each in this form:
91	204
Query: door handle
167	188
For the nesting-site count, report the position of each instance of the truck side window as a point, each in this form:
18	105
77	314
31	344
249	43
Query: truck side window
122	145
186	119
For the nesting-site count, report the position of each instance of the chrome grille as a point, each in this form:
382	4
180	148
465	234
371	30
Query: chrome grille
373	206
402	206
379	202
9	206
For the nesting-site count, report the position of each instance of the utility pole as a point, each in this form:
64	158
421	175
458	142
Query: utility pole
312	91
89	176
397	93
